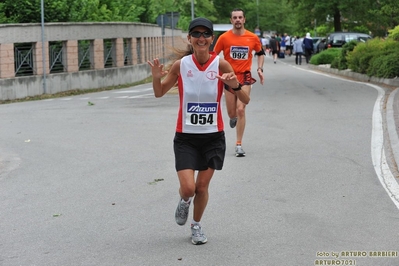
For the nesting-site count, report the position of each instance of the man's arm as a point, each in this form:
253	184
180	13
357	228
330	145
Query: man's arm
261	59
218	45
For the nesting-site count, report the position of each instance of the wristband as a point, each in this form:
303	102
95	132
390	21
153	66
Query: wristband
238	88
261	69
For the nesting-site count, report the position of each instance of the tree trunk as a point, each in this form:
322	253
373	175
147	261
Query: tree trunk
337	20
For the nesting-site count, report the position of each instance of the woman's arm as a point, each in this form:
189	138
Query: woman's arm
230	79
161	87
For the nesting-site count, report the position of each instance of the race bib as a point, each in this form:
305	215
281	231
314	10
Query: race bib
239	52
201	114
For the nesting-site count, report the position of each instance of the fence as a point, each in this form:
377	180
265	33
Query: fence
78	55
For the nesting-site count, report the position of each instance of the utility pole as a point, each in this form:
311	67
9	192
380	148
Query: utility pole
192	9
257	13
43	48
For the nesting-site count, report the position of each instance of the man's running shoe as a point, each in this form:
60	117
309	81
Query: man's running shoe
233	122
239	151
197	236
181	213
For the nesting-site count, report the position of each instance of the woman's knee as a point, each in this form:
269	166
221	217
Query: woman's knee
241	111
201	189
187	191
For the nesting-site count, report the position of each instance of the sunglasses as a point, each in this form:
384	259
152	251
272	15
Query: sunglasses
197	34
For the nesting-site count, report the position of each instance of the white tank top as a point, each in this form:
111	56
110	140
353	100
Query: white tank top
200	95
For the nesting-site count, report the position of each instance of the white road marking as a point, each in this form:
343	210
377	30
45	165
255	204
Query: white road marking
378	152
141	96
133	91
381	167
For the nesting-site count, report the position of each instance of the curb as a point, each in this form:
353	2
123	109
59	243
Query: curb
360	77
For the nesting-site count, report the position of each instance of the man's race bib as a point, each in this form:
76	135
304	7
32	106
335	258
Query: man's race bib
201	114
239	52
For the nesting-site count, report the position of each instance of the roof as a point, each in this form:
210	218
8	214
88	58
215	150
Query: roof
222	27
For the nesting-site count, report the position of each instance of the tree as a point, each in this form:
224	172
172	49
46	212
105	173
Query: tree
29	11
383	16
343	14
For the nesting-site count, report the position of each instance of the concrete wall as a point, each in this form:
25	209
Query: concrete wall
146	39
21	87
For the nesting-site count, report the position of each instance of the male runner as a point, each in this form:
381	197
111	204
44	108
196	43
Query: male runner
238	45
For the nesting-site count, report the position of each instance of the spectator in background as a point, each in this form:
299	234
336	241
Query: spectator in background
283	45
322	45
298	50
308	45
265	44
288	43
274	47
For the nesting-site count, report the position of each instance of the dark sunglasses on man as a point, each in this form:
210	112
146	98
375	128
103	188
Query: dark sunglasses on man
197	34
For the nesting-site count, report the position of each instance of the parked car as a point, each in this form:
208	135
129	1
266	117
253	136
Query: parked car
315	40
338	39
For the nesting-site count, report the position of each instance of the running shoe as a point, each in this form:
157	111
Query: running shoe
233	122
239	151
197	236
181	213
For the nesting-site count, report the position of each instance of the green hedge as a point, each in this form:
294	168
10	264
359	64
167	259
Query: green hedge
374	58
325	57
377	57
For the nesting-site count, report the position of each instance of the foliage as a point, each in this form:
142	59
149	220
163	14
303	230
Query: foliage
340	62
323	30
346	49
362	56
295	17
325	57
23	11
339	13
394	33
384	66
358	60
382	16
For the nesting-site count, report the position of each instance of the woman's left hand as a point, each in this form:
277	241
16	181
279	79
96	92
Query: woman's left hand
230	79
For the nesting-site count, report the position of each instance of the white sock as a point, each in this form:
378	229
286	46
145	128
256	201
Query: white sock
194	222
188	201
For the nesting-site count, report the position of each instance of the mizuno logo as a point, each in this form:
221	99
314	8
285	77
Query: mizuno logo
202	108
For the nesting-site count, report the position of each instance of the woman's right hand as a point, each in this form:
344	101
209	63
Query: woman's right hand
157	69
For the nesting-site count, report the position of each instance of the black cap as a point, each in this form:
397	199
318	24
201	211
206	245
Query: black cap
200	22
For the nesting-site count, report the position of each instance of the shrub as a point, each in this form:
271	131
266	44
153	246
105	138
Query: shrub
384	66
347	48
359	58
394	33
335	63
325	57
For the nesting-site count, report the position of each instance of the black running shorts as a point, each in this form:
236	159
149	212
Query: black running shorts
199	151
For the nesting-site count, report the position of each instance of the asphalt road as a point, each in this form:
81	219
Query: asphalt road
94	184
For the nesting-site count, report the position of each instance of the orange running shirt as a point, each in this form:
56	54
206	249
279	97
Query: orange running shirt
237	49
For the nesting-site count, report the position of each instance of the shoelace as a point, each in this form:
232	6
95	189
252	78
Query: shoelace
197	230
183	210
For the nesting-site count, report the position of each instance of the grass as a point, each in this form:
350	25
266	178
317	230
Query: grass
75	92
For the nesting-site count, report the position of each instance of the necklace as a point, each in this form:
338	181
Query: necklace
202	64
